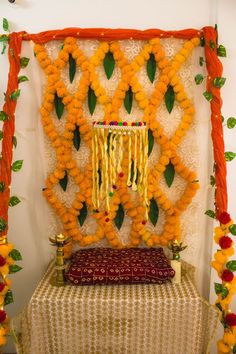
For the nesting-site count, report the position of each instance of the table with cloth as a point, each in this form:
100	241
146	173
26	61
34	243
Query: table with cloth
123	319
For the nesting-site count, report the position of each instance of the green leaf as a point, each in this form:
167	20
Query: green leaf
229	155
1	135
169	174
63	182
4	38
22	79
15	95
59	106
17	165
8	298
14	201
3	116
2	186
212	44
4	47
83	214
119	218
232	229
109	64
15	254
76	138
72	67
212	181
24	62
92	100
221	51
234	349
210	213
169	98
3	224
153	212
151	67
231	122
231	265
198	79
224	293
208	95
202	41
11	52
14	268
150	141
222	119
132	173
5	25
219	81
218	288
14	141
219	306
201	61
128	101
99	177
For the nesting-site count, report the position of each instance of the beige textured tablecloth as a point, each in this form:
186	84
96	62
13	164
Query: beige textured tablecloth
125	319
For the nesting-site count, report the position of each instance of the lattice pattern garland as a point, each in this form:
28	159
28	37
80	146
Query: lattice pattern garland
70	108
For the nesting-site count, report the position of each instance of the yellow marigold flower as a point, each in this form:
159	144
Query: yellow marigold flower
63	55
219	257
6	249
188	45
222	347
229	338
195	41
4	270
228	252
180	58
3	340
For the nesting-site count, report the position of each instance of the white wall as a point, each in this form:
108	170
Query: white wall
39	15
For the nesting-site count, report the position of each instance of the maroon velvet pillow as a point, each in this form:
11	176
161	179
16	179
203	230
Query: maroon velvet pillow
127	266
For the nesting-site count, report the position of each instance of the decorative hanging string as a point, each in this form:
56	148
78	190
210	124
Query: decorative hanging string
108	149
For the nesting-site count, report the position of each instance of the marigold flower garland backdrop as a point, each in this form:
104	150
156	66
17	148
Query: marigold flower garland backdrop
167	87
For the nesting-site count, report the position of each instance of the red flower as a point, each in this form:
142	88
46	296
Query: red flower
224	218
2	261
227	275
3	316
2	286
230	319
225	242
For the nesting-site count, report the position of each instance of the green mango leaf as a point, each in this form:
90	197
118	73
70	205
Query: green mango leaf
17	165
212	181
224	293
1	135
72	67
231	122
151	67
169	174
109	64
4	47
229	155
219	81
15	95
222	119
2	186
201	61
63	182
24	62
4	38
221	51
22	79
198	79
14	141
83	214
3	116
212	44
208	95
119	218
218	288
128	101
232	229
8	298
76	138
16	255
92	100
234	349
59	106
5	25
14	201
14	268
210	213
231	265
3	224
153	212
169	98
150	141
202	42
218	305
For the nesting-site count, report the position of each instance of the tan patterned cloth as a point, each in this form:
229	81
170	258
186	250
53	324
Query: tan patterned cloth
124	319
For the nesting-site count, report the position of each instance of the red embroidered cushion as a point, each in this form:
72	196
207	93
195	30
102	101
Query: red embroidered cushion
126	266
